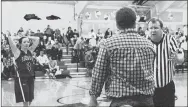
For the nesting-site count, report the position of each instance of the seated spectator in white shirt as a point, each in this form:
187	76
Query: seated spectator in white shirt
43	61
91	34
79	43
93	42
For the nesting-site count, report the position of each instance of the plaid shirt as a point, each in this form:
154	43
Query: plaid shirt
125	64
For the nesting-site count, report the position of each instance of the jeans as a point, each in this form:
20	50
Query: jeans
134	101
165	96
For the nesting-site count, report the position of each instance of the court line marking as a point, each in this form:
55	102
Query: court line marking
75	94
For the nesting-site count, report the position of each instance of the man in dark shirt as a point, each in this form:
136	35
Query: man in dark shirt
69	34
49	32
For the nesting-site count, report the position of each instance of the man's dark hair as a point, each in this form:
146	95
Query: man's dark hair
126	18
154	20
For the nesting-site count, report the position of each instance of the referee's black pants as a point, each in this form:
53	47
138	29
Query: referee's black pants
165	96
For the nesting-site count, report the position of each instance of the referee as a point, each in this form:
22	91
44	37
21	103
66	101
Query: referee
166	56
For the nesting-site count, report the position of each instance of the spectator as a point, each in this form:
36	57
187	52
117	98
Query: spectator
53	66
57	35
108	33
76	36
141	32
20	30
79	43
43	61
49	47
66	73
49	32
179	31
79	50
55	50
89	59
40	47
166	30
76	33
92	42
91	34
98	35
69	34
39	34
8	66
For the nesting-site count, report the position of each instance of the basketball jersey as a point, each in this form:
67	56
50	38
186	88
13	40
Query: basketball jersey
25	64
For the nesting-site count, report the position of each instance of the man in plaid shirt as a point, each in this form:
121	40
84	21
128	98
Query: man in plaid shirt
125	64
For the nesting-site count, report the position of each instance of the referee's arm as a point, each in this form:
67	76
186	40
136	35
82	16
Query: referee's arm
179	54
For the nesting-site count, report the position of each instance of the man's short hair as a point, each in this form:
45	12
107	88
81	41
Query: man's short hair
154	20
126	18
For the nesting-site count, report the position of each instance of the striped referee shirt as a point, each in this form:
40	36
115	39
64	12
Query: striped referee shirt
125	63
164	66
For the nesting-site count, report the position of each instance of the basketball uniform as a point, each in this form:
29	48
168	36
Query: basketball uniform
24	80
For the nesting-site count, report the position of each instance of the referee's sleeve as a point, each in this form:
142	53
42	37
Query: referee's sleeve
99	72
173	44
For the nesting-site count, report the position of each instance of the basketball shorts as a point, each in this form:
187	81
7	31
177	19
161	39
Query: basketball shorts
24	89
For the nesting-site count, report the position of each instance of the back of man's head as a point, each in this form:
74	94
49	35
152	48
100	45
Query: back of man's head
125	18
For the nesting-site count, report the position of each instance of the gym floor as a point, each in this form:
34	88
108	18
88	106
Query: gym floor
57	92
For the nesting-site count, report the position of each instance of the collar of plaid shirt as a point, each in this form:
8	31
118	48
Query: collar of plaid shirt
128	30
125	64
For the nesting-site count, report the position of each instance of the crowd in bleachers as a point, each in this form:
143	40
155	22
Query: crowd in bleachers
50	47
49	50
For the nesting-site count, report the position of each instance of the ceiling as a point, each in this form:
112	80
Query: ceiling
110	3
140	10
58	2
151	3
177	4
144	8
